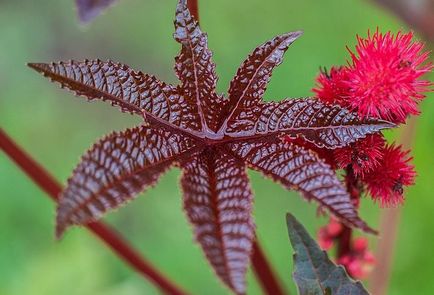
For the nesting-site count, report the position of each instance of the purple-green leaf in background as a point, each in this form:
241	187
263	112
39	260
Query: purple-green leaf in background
315	273
89	9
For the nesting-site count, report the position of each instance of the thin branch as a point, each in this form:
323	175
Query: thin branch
111	238
264	273
194	8
344	242
379	280
345	237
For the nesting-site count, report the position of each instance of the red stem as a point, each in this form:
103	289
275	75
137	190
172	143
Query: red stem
111	238
264	272
194	8
344	242
354	188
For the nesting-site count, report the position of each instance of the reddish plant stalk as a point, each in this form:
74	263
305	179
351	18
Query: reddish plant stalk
264	272
194	8
344	242
344	238
106	234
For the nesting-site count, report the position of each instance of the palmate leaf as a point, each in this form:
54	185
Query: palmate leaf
301	170
89	9
211	138
315	273
218	202
115	170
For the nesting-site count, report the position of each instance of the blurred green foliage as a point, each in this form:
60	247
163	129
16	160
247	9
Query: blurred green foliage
56	128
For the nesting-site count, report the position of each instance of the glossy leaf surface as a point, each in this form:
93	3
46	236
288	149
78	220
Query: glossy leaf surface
315	273
115	169
302	170
249	84
323	125
213	139
218	202
132	91
195	68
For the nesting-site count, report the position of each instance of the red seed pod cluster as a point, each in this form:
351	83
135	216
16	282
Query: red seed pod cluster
356	258
359	261
383	79
329	233
394	171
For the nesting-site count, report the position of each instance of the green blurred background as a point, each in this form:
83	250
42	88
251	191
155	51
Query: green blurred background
57	128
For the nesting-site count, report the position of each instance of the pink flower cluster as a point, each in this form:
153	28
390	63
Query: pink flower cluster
357	259
329	233
382	80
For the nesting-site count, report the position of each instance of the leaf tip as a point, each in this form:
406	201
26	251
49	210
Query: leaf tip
295	34
386	124
60	230
62	224
291	222
181	6
290	217
39	67
370	230
290	37
360	224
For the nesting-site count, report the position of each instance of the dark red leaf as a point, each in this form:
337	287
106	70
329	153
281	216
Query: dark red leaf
115	170
218	202
89	9
301	170
195	68
249	84
132	91
329	126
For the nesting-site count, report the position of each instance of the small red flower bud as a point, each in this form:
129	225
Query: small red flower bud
360	244
363	155
387	181
359	261
334	228
332	87
324	239
328	233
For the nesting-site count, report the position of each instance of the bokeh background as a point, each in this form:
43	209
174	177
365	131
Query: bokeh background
57	128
